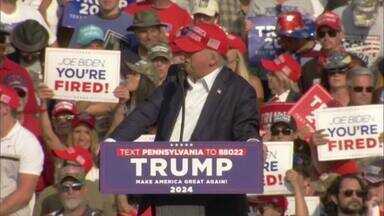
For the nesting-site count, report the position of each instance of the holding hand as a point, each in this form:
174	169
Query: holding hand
320	138
44	92
122	93
293	178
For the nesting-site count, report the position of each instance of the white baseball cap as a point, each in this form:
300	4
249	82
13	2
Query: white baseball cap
207	7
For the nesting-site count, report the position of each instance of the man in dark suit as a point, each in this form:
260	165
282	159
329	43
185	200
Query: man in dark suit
219	106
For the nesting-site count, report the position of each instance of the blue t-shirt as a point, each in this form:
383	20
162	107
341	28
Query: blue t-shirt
113	28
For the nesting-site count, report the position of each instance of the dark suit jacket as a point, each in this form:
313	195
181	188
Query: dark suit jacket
229	114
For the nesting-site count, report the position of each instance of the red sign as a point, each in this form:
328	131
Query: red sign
303	111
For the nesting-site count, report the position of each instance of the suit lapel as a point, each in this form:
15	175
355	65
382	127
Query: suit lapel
214	97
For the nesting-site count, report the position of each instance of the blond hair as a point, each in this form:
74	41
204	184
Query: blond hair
95	145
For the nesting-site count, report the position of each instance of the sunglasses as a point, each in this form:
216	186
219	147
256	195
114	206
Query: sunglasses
368	89
340	71
284	131
76	186
349	193
331	33
64	117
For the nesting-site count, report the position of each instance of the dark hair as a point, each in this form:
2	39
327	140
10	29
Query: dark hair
335	187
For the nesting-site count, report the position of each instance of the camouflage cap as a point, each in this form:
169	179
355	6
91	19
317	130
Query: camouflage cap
337	61
160	50
145	68
145	19
76	172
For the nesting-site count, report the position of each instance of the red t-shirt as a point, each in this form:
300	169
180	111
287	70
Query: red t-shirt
11	68
173	16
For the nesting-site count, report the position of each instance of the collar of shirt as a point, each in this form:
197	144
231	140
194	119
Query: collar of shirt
12	132
283	96
206	81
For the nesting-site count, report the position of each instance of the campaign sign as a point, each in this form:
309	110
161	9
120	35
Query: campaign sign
279	161
75	10
303	111
82	75
270	110
313	205
366	47
181	168
262	41
353	132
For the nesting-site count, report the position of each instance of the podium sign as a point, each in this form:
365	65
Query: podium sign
181	168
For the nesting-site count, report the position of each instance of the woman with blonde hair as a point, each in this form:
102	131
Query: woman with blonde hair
236	62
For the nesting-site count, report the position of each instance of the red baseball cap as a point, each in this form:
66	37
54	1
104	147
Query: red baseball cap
9	96
64	107
84	118
345	167
201	36
286	64
77	154
330	20
276	201
235	42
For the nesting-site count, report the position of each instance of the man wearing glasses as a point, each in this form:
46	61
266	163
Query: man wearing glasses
348	194
361	86
330	35
72	192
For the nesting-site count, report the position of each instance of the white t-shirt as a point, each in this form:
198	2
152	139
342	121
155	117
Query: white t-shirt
20	152
24	12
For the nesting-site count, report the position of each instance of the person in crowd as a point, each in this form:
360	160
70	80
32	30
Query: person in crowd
206	74
205	11
8	68
62	115
163	8
13	12
334	76
348	193
360	82
373	174
296	35
284	72
73	192
29	38
112	22
378	96
83	131
160	55
80	159
21	158
329	34
90	37
363	29
269	205
149	30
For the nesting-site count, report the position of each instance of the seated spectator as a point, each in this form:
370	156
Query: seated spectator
348	193
112	22
21	159
169	13
13	12
284	72
30	39
149	30
160	56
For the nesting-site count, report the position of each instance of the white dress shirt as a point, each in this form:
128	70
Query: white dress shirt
194	101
